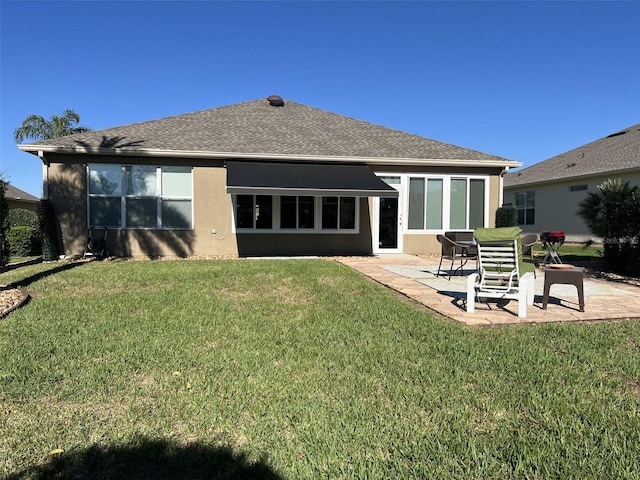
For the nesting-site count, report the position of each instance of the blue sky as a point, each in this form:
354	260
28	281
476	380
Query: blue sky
523	80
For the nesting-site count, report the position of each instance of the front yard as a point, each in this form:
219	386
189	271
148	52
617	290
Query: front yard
297	369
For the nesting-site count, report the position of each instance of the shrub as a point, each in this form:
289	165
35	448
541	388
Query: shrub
23	218
506	217
24	241
4	227
47	221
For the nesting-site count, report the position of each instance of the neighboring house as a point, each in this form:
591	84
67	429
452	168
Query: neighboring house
265	177
17	198
547	194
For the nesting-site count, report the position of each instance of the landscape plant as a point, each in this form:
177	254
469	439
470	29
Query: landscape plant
506	217
4	226
298	369
612	212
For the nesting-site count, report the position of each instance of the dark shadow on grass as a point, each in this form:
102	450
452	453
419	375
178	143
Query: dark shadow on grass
56	268
145	458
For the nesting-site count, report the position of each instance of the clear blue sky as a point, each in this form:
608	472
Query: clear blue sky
523	80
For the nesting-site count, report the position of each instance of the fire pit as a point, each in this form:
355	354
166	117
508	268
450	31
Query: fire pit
552	241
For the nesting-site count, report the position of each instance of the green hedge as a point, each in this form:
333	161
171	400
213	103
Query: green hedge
46	217
24	241
23	218
506	217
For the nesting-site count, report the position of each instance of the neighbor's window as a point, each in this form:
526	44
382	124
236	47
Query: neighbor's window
140	196
526	206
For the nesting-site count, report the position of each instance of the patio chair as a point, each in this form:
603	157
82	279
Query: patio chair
501	274
453	251
528	241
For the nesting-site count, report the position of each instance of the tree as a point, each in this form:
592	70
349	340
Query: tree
39	128
4	226
613	213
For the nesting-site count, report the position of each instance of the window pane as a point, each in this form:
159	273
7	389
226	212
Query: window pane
287	212
306	212
531	199
104	211
244	211
348	213
434	203
530	216
520	200
264	211
476	203
520	216
177	213
416	203
330	212
105	179
142	212
391	180
176	182
458	203
140	180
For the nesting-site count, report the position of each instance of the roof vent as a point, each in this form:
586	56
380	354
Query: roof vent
275	101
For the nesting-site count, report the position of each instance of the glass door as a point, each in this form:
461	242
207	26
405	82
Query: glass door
387	227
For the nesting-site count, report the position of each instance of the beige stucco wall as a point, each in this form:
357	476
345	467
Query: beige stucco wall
212	210
556	204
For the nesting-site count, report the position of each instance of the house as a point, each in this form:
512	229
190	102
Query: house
17	198
548	193
265	177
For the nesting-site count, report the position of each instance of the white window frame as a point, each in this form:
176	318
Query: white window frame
446	200
123	196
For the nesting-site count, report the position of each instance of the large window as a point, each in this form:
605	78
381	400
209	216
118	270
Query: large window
140	196
296	213
526	206
439	203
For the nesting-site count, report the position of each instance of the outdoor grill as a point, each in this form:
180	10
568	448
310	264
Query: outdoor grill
552	236
551	242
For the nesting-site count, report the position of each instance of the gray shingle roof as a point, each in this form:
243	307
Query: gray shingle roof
256	127
13	193
616	152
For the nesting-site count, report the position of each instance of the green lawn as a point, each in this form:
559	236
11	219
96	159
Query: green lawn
298	369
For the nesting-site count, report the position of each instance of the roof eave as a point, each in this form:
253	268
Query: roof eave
43	149
573	178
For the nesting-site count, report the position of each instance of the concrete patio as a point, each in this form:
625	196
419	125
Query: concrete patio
415	277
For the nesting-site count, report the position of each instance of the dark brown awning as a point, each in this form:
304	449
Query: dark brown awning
265	178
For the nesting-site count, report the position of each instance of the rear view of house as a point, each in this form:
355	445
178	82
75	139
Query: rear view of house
265	177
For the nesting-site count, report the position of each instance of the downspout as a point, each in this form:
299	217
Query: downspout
504	171
45	175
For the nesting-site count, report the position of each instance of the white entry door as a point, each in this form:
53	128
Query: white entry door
387	220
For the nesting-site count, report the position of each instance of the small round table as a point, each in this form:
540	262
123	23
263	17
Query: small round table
567	276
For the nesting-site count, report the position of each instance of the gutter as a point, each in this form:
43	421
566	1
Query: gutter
41	149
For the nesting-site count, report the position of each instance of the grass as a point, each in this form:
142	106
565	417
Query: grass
298	369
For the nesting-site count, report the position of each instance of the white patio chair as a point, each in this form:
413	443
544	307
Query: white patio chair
499	276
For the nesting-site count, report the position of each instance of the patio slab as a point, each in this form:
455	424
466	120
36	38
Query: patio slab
415	277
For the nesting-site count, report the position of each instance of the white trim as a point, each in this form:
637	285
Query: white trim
195	154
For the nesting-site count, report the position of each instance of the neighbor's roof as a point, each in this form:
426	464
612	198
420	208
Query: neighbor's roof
256	129
617	152
13	193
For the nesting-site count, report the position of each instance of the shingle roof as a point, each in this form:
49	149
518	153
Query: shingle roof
616	152
256	127
13	193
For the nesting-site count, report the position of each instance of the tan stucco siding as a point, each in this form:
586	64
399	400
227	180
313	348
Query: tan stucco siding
68	194
556	205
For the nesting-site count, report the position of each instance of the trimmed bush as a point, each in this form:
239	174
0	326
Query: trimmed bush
506	217
20	217
46	217
23	241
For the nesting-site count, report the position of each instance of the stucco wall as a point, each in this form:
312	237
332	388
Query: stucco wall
556	205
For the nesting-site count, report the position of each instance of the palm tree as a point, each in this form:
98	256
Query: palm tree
39	128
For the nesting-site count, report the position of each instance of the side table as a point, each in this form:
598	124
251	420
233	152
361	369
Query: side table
566	276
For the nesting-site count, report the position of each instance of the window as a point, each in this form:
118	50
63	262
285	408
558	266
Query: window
446	203
526	204
299	213
140	196
578	188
